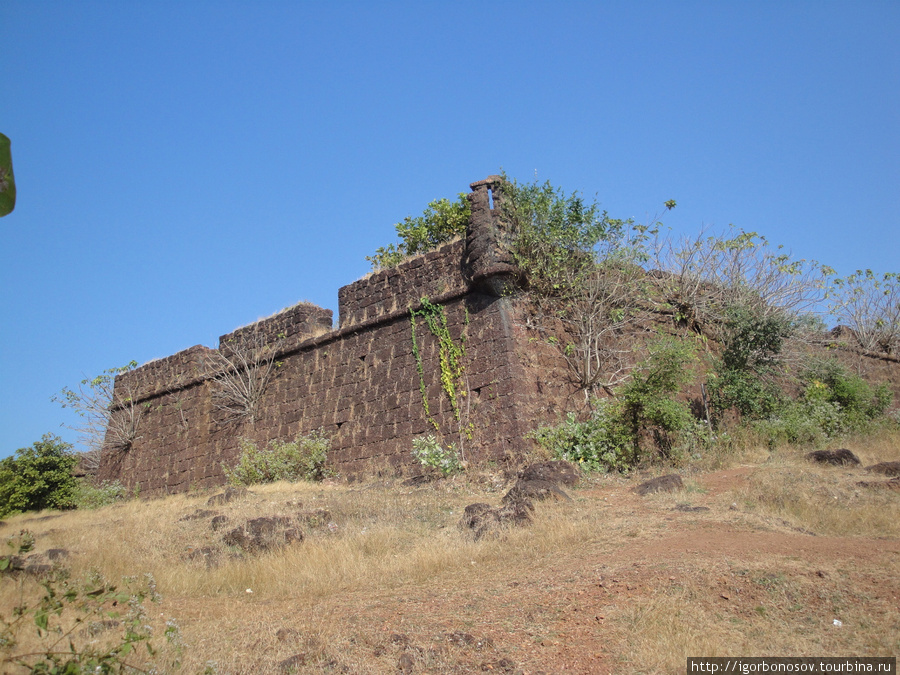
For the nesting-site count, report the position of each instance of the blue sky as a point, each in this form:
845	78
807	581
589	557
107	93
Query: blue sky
184	168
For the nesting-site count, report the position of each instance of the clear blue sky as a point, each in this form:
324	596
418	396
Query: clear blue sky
184	168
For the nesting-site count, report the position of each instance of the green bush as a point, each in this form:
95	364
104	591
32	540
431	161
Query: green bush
600	443
439	223
39	477
616	435
830	381
90	496
558	239
744	377
301	459
648	398
432	454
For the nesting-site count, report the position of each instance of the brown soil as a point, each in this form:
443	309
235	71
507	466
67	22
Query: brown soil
568	611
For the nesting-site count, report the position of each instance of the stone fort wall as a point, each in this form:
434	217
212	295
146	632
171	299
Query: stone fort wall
358	382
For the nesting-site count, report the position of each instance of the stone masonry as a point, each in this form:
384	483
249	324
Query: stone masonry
359	383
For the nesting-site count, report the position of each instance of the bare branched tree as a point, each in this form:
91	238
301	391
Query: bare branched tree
596	315
870	305
705	276
242	371
109	411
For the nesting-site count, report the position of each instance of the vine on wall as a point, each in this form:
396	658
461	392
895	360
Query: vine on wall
451	356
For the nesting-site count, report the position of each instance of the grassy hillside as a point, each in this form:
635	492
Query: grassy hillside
383	579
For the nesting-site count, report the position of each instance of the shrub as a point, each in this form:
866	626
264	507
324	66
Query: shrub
301	459
600	443
829	380
744	376
615	436
89	496
39	477
431	454
439	223
834	402
67	617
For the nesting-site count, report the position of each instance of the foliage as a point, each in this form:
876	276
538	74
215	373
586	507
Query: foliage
243	368
39	477
301	459
833	403
828	380
451	356
439	223
87	495
7	179
744	376
108	409
558	238
704	277
648	399
431	454
67	617
600	443
583	269
870	305
615	436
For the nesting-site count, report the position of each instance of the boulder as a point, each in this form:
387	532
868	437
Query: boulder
840	457
263	534
481	519
230	494
667	483
538	490
557	472
885	468
892	484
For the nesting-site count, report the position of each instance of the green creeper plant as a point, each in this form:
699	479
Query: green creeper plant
451	356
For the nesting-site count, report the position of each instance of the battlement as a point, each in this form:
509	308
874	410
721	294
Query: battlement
366	384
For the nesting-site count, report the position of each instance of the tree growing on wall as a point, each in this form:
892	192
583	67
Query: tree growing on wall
582	269
109	411
243	368
441	221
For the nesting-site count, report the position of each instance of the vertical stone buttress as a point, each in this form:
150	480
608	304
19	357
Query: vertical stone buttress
489	261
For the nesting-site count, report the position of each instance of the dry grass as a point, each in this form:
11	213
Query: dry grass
609	582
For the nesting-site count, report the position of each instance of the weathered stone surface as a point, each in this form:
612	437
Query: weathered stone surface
293	664
230	494
687	508
199	514
537	490
667	483
263	534
558	472
218	523
481	519
885	468
840	457
892	484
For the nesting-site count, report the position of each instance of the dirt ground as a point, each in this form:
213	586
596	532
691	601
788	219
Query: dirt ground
691	571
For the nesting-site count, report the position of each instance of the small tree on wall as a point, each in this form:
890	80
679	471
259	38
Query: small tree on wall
243	368
110	414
